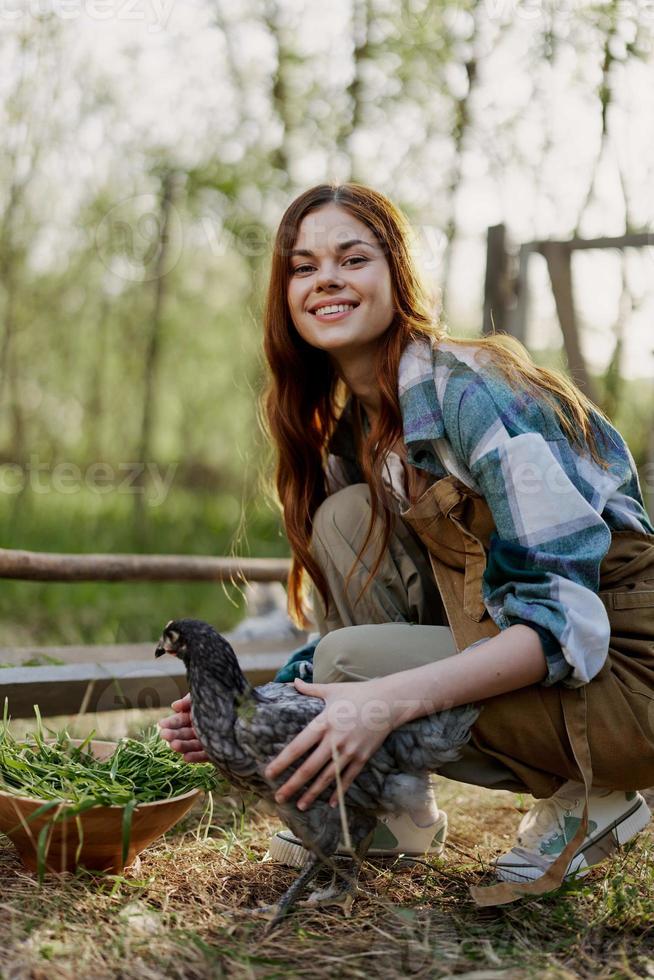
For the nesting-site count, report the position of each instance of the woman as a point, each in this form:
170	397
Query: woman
399	448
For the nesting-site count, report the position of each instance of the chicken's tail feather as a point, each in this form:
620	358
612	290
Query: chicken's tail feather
449	731
432	740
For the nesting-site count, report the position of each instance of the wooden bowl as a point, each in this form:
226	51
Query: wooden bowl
101	827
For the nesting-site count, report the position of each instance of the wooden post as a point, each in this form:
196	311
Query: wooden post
558	257
495	282
518	316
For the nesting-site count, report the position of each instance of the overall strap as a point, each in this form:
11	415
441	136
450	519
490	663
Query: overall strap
455	524
573	702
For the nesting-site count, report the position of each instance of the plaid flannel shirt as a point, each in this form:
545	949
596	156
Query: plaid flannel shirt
554	508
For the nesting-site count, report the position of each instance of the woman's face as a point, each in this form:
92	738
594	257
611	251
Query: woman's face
327	274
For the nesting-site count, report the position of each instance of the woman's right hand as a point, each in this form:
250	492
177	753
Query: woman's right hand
178	731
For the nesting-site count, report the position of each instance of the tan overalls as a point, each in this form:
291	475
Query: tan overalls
600	733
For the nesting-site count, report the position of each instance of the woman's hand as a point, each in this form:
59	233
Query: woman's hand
179	732
356	719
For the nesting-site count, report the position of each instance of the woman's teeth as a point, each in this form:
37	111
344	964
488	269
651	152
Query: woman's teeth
341	308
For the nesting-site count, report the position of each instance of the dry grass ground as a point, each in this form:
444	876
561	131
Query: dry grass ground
184	911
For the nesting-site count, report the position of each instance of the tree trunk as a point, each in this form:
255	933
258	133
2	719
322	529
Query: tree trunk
152	354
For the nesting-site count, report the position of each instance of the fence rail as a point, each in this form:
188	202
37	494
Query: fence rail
39	566
121	676
76	688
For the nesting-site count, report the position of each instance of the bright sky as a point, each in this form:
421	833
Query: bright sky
167	63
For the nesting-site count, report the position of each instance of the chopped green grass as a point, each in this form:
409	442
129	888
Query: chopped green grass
141	770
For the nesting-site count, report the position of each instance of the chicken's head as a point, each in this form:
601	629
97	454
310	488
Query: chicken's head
201	648
173	640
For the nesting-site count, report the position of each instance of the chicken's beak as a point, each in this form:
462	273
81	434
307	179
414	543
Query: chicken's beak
165	645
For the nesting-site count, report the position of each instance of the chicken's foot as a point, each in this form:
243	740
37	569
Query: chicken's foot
341	894
333	894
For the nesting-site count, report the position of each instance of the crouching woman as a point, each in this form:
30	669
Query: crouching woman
474	531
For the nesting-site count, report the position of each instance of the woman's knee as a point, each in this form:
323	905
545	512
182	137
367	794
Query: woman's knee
342	512
363	651
333	656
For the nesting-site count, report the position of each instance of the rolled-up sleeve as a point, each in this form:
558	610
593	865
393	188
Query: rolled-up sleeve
544	557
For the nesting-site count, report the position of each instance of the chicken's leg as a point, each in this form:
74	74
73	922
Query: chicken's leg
288	899
341	894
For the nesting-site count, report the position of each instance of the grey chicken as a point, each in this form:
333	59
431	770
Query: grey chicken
242	728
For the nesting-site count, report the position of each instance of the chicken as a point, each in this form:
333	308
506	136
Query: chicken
242	728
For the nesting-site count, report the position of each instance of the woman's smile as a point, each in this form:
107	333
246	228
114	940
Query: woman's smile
334	314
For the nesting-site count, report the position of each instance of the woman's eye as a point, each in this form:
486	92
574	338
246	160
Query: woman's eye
352	258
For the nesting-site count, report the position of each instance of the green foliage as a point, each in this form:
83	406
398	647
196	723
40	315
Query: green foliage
42	660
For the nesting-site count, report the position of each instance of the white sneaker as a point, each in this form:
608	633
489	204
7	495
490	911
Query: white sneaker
614	817
392	836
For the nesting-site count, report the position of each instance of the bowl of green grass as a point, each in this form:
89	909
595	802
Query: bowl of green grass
67	803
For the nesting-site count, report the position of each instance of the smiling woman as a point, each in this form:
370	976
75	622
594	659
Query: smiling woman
512	549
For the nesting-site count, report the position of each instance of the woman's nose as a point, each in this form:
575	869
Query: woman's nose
329	277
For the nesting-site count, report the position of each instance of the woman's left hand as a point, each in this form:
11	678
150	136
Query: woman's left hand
356	719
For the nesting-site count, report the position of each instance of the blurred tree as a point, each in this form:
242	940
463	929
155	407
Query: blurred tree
27	129
410	96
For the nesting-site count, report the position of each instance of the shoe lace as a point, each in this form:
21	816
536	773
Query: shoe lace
544	822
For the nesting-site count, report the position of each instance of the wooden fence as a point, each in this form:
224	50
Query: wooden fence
506	293
121	676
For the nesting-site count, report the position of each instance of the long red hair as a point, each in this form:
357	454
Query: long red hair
302	400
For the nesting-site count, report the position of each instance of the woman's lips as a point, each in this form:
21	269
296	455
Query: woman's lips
330	317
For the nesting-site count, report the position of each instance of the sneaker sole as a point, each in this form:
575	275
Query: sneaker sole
285	848
592	852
